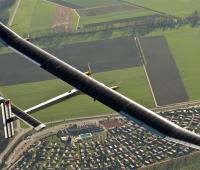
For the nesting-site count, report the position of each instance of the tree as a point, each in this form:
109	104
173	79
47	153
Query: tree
194	18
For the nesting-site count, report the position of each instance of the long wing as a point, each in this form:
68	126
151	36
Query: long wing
126	107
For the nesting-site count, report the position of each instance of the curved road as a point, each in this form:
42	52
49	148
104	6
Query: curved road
18	151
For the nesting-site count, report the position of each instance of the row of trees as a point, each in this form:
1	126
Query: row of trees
139	26
194	19
147	22
125	27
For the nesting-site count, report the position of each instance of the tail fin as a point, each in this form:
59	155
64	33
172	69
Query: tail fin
7	117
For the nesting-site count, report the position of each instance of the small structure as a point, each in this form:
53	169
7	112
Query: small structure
85	136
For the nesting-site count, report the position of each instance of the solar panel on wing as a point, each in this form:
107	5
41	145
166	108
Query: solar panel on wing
28	119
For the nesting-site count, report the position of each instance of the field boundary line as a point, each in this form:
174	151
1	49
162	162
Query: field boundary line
144	62
150	85
102	6
146	8
16	6
78	19
54	3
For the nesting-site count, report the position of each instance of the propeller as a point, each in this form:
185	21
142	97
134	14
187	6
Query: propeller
89	72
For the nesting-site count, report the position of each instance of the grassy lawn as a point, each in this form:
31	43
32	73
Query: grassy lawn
184	44
42	16
177	7
33	15
101	35
22	19
114	16
188	162
132	82
193	166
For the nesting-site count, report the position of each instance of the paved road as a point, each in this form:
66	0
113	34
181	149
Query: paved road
18	151
23	146
177	106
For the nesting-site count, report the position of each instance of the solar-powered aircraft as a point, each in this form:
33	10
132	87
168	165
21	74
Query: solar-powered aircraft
11	112
126	107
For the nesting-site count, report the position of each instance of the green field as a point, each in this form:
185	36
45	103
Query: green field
192	166
74	19
90	3
42	16
174	7
132	82
33	15
114	16
187	162
184	45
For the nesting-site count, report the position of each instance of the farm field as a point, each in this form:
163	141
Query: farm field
114	16
85	4
33	15
163	74
106	9
42	16
132	82
193	166
178	7
184	45
105	55
74	19
188	162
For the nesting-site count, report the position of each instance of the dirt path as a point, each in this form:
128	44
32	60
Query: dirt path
62	19
12	143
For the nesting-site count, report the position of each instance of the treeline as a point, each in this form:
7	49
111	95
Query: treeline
4	12
148	22
194	19
127	27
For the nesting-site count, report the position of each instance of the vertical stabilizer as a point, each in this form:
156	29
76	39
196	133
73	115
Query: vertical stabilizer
7	118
